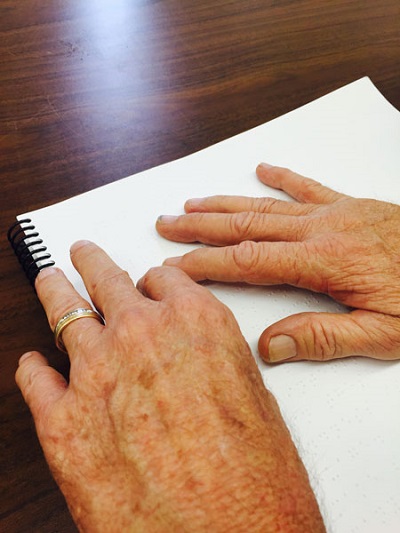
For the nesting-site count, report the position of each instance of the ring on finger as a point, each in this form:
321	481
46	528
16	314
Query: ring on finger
70	317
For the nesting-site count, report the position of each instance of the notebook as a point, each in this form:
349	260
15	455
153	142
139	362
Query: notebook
343	415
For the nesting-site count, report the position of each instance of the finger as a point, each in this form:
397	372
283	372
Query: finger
41	386
232	228
107	284
326	336
237	204
302	189
257	263
165	282
59	297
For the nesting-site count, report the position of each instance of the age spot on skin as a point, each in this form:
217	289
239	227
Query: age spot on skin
146	378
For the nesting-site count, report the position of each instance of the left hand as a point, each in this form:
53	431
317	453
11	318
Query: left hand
327	242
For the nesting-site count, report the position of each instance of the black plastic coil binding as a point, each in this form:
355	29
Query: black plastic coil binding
29	248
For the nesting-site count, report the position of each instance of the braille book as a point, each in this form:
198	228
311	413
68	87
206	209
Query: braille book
344	415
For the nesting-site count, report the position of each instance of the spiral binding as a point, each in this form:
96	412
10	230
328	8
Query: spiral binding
29	248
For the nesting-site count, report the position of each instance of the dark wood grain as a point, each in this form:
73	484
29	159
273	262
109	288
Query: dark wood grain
93	91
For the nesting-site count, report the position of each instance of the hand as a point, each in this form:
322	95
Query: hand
165	424
327	242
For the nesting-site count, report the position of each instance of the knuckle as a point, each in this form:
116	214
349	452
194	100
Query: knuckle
35	381
266	205
187	304
110	278
309	189
128	319
186	309
198	223
151	275
247	260
242	224
304	227
35	377
323	342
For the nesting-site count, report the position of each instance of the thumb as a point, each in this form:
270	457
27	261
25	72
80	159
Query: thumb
326	336
40	384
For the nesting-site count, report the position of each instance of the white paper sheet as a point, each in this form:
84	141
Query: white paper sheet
343	415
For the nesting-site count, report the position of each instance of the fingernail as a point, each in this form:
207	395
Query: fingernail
194	202
281	347
265	165
25	357
79	244
172	261
47	271
166	219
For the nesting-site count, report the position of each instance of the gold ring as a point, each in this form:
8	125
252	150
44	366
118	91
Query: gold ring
68	319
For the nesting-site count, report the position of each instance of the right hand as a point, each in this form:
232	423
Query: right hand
165	424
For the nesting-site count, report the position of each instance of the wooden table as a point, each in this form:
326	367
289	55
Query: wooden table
92	91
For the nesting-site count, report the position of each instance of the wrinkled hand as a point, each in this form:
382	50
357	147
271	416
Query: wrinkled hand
327	242
165	424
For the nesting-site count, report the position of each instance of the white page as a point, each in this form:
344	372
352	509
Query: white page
343	415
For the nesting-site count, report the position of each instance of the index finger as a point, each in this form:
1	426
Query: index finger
260	263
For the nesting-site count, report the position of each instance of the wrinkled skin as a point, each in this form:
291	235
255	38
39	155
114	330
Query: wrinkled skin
324	241
165	424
